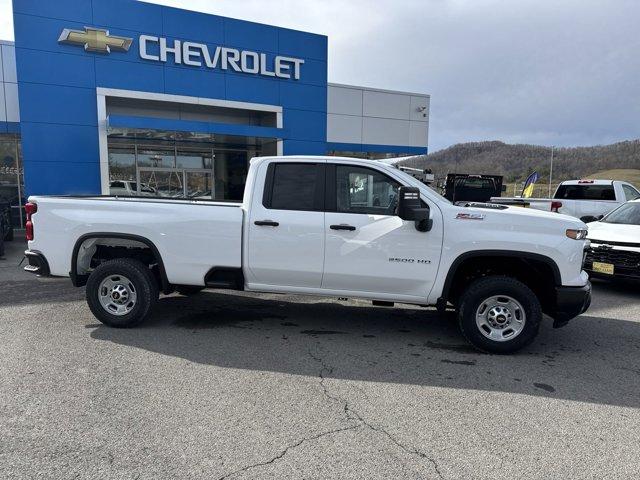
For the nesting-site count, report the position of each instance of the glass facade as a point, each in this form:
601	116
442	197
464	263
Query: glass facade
367	155
182	165
12	176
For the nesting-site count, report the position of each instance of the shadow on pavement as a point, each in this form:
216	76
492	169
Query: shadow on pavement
592	360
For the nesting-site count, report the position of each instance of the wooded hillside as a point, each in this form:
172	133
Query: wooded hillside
516	162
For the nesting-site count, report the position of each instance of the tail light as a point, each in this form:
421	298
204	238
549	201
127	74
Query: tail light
555	206
30	209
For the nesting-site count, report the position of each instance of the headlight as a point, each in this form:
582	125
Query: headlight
576	234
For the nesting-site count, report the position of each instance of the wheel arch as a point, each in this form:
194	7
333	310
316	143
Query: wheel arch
477	255
81	280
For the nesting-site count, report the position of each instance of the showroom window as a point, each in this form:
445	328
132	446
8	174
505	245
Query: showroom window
12	176
182	165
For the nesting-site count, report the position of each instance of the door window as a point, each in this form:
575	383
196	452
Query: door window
365	191
630	193
294	186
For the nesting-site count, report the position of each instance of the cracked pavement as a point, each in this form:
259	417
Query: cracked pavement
237	386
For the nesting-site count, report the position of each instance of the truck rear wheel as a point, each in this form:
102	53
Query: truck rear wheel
121	293
499	314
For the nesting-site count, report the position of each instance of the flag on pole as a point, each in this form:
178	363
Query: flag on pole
527	191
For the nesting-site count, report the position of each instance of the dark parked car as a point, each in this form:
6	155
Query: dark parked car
6	228
461	187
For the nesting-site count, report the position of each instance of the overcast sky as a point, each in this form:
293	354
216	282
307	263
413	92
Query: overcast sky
552	72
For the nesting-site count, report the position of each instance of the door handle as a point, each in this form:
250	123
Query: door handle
266	223
350	228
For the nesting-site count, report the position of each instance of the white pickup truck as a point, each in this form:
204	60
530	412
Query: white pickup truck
321	226
588	200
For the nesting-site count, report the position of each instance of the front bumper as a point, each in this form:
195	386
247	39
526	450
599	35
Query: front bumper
626	263
570	302
38	264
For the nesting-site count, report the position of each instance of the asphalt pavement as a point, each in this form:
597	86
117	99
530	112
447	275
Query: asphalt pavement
227	385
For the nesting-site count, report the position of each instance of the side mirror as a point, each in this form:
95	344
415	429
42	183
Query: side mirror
411	209
591	218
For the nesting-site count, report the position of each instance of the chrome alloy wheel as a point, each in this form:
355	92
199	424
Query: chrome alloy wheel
117	295
500	318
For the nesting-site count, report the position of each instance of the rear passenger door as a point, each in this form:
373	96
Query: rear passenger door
286	226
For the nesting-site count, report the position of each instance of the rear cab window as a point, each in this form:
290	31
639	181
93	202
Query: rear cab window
585	192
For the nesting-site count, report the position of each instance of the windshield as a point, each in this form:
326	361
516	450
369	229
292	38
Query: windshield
627	214
414	182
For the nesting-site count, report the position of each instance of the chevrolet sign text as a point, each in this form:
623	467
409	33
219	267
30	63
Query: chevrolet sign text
158	49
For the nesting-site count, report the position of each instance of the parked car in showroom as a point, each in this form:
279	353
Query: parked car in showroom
615	244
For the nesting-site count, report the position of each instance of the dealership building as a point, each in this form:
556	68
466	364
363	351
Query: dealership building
98	96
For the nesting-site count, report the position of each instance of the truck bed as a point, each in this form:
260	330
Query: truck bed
191	235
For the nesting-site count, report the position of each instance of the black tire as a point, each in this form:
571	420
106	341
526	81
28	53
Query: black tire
485	288
10	235
143	283
188	290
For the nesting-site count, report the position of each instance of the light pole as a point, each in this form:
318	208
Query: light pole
551	172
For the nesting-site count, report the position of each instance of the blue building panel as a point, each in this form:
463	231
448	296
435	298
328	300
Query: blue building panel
36	66
302	44
184	81
55	105
249	35
127	14
41	33
315	72
301	147
54	143
245	88
60	9
306	125
303	97
129	76
187	25
55	178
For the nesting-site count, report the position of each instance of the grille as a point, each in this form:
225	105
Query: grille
619	258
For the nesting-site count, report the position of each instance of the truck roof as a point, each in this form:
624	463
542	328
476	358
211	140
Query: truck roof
587	181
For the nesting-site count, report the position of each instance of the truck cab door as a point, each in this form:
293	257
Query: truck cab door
285	244
368	247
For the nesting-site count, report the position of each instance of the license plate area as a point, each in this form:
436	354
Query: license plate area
606	268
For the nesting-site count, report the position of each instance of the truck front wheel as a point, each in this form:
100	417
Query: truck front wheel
499	314
121	293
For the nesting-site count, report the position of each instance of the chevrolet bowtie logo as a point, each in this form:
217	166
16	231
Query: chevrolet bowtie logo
95	40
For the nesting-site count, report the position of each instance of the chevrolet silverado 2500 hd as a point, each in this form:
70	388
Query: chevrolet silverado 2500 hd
321	226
